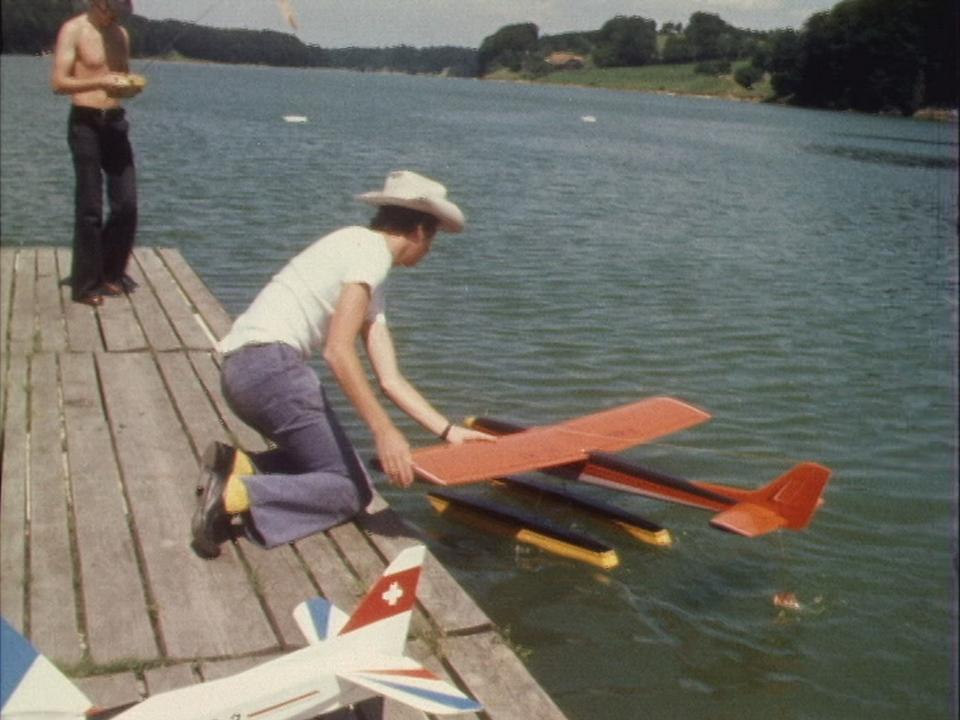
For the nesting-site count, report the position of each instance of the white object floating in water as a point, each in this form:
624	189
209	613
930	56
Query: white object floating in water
295	118
588	118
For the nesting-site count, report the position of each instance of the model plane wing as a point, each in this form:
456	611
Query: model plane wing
561	444
407	681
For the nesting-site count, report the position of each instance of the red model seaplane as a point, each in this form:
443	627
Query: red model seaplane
580	448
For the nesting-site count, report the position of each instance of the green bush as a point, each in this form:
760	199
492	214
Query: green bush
747	75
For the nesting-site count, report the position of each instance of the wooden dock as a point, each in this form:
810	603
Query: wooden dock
104	413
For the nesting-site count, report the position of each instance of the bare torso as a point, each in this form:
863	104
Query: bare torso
91	62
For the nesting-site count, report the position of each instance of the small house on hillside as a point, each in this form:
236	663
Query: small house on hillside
566	61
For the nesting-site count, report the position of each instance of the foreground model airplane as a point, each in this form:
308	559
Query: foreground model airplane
579	448
348	659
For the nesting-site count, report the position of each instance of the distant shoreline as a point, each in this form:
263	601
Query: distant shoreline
683	81
932	114
669	80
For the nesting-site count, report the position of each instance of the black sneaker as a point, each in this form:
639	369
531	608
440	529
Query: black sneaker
211	523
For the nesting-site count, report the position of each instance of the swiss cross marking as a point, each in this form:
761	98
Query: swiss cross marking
393	594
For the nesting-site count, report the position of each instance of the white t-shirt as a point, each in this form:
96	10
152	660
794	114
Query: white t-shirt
296	305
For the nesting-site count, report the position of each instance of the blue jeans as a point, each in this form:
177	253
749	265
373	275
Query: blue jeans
100	148
313	479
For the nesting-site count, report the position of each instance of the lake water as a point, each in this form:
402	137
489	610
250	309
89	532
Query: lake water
793	272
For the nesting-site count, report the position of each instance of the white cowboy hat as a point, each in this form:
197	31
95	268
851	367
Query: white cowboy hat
410	190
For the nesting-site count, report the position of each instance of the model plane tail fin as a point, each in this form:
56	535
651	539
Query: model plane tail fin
407	681
31	686
381	620
790	501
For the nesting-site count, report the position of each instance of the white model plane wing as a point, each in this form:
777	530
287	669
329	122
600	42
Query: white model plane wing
406	681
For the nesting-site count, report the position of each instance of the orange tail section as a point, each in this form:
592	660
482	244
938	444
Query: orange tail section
790	501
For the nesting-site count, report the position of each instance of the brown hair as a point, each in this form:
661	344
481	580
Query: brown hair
401	220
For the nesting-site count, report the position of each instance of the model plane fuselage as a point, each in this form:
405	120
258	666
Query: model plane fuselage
348	659
291	687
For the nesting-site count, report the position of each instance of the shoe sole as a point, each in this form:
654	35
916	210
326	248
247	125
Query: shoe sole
215	467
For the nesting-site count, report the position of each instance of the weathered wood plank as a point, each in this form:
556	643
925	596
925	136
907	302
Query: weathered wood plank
51	331
111	690
284	584
216	318
174	301
107	553
13	497
163	679
204	608
190	398
83	327
363	558
23	319
53	604
120	327
497	678
336	582
8	261
159	333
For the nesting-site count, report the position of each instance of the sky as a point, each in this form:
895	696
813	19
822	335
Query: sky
464	23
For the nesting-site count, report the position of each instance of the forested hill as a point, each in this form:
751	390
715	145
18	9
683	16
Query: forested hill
30	27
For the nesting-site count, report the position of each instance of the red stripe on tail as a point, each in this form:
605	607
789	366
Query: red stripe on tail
392	595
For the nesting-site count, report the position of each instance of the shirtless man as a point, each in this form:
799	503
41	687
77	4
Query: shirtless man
92	64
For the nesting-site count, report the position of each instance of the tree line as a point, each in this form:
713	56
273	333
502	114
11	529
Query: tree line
871	55
621	42
31	26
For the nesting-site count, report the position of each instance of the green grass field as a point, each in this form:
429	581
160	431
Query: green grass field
679	79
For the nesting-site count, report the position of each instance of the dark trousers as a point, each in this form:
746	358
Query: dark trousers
101	150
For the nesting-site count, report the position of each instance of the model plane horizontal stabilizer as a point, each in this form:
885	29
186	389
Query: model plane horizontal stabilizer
561	444
790	502
408	682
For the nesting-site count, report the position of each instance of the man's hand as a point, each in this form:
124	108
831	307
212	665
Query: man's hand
458	435
393	450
